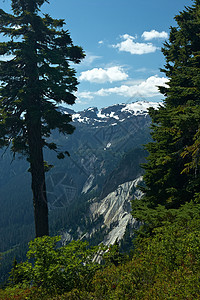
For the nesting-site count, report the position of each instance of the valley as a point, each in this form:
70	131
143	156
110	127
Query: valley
106	151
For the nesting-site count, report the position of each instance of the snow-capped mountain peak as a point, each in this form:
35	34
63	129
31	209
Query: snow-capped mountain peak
112	114
140	107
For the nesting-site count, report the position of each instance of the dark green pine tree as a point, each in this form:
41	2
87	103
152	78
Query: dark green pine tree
36	78
172	175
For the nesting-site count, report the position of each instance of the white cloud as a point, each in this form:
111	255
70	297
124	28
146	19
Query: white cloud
100	75
134	81
128	45
127	36
85	95
89	59
147	88
153	34
142	70
100	42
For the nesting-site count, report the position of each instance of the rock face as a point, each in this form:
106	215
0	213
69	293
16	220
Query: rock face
110	215
115	209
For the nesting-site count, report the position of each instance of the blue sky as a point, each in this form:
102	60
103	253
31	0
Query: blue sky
122	41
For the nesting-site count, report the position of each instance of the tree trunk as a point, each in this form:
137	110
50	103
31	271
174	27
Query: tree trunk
38	176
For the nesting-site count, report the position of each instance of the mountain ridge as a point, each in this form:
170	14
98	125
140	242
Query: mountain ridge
119	112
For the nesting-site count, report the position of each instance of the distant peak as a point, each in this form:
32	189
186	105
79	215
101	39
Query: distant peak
140	107
94	108
116	112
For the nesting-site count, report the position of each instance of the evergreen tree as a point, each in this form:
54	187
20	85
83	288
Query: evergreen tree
172	168
36	78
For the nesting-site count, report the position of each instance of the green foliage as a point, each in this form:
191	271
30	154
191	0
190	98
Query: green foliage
165	265
113	256
56	269
172	168
161	216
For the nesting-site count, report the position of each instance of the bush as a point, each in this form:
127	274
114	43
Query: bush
164	266
55	269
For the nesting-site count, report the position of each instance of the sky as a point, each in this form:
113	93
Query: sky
122	41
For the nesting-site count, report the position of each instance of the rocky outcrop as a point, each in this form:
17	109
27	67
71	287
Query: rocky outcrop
115	209
114	213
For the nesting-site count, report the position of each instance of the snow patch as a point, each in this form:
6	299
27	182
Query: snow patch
140	107
112	115
100	115
118	112
107	146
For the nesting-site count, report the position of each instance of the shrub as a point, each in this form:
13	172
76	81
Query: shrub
56	269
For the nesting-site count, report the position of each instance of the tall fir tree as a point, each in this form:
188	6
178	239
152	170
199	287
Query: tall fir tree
36	78
172	175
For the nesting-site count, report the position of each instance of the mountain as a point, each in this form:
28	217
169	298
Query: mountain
101	139
105	152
